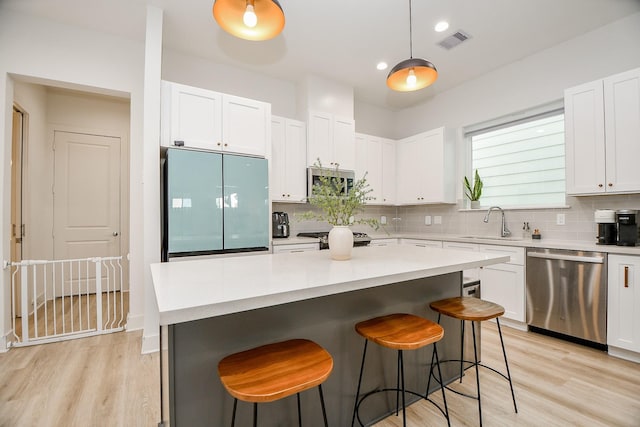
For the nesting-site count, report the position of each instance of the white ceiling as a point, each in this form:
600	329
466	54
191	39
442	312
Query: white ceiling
343	40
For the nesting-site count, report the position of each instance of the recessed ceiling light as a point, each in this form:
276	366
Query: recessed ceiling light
382	66
441	26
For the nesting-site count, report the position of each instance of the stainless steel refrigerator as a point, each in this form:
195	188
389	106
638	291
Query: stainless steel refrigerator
214	203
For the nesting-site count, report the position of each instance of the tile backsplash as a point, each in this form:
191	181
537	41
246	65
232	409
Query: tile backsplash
579	222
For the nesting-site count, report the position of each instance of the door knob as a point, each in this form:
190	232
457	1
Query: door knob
115	234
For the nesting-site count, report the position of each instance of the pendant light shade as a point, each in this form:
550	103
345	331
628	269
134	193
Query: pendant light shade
250	19
413	73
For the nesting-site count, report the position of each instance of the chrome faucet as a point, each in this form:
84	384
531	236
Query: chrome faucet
505	231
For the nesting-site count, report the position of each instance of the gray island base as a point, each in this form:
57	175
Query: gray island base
356	290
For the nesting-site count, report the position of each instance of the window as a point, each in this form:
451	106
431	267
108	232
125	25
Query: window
521	163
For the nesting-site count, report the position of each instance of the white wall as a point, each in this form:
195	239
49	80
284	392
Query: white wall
51	109
199	72
56	54
534	80
373	120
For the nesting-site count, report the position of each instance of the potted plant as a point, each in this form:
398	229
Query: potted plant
473	193
338	209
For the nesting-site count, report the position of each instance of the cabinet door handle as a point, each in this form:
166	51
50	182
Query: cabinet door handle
626	276
610	184
219	144
600	185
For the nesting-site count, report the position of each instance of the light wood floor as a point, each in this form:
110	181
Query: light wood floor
105	381
97	381
557	383
79	314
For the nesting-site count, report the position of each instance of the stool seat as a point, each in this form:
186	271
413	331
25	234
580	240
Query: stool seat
468	308
275	371
400	331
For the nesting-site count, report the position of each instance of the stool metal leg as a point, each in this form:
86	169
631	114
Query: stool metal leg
299	412
431	368
444	397
398	383
404	406
324	410
355	406
475	357
255	415
462	350
233	417
504	353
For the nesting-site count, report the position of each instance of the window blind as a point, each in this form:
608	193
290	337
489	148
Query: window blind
523	163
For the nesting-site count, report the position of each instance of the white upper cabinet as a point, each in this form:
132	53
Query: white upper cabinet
209	120
426	168
246	126
369	160
602	130
388	172
377	157
332	140
288	160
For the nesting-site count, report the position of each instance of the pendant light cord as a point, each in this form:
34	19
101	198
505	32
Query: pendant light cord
410	33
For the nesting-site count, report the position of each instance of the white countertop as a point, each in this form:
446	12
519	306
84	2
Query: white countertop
198	289
575	245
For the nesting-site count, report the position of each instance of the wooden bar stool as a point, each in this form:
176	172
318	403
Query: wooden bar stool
400	332
474	310
274	371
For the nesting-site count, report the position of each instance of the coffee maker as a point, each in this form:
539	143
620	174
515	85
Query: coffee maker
627	227
280	224
607	229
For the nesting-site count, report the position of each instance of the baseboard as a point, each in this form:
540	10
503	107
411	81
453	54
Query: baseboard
521	326
621	353
150	343
135	323
4	346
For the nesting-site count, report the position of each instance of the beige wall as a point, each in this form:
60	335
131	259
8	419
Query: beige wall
49	109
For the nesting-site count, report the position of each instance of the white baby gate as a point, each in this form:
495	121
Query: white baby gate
66	299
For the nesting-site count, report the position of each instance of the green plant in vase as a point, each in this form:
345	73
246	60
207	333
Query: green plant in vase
474	192
339	209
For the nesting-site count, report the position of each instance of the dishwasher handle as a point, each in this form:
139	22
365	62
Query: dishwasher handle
567	257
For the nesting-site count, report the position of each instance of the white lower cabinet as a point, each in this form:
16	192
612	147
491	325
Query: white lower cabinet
470	275
299	247
623	307
504	284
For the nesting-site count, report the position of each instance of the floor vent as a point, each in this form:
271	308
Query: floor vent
454	40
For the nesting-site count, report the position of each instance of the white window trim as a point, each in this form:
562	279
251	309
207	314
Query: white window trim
541	111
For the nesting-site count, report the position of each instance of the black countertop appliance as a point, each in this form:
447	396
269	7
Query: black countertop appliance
627	227
607	227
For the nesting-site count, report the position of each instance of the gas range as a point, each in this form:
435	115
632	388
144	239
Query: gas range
359	239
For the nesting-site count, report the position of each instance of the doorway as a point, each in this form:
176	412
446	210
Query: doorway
70	188
17	227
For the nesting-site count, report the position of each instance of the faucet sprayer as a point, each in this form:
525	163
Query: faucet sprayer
505	231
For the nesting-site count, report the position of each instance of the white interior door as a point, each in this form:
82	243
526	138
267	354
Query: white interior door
86	201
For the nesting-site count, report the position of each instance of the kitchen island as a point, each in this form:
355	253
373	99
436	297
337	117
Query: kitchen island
214	307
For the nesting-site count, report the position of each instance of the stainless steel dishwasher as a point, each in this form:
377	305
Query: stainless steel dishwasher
567	293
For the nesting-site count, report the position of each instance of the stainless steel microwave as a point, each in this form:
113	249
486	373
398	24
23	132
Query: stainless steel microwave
344	179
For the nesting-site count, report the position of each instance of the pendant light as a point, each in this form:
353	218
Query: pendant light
250	19
413	73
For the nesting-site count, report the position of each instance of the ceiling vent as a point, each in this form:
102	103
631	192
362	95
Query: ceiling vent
454	40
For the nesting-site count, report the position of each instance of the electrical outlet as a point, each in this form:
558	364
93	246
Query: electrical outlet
427	220
383	220
437	219
560	219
